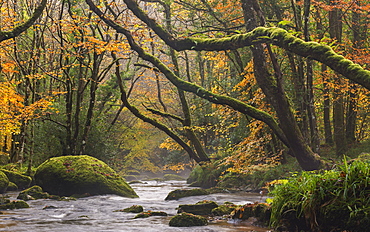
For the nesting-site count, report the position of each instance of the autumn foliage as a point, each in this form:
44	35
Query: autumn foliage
82	76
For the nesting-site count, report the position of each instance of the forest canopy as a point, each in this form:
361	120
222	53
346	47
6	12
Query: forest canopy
154	83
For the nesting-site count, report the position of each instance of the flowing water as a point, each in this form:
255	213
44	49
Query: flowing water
96	213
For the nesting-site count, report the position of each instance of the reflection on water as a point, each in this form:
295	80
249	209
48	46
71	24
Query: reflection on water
97	213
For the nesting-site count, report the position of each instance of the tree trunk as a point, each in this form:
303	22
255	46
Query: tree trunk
335	30
326	111
187	122
358	30
273	89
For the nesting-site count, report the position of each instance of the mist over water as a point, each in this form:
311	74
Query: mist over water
96	213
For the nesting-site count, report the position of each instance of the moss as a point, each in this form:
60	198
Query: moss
158	213
133	209
260	211
15	205
224	209
68	175
33	193
4	182
287	41
200	208
135	182
20	180
180	193
187	220
150	213
142	215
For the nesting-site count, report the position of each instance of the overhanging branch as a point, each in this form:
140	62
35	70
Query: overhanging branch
276	36
5	35
191	87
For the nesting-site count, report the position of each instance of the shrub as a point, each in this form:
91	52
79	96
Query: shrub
331	200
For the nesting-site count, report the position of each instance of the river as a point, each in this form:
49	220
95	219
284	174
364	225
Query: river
96	213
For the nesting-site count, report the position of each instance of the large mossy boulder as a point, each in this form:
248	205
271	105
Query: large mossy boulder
187	220
77	175
4	182
20	180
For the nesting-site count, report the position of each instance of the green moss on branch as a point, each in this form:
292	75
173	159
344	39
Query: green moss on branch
287	41
5	35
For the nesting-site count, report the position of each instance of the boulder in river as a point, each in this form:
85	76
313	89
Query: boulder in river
150	213
201	208
33	193
133	209
260	211
13	205
224	209
4	182
187	220
180	193
81	174
22	181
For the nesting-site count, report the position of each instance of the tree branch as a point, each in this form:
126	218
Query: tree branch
5	35
191	87
165	115
276	36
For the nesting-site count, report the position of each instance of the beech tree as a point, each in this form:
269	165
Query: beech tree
259	38
16	110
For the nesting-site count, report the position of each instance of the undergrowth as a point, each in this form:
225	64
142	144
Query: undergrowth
333	200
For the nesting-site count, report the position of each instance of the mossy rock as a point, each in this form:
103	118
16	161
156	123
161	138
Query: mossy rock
133	209
158	213
22	181
187	220
12	187
14	205
200	208
180	193
83	174
142	215
168	177
4	182
136	182
260	211
150	213
224	209
33	193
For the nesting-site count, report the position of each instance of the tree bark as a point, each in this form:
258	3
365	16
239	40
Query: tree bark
335	31
273	89
5	35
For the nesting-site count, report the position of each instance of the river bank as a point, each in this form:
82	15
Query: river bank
96	213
